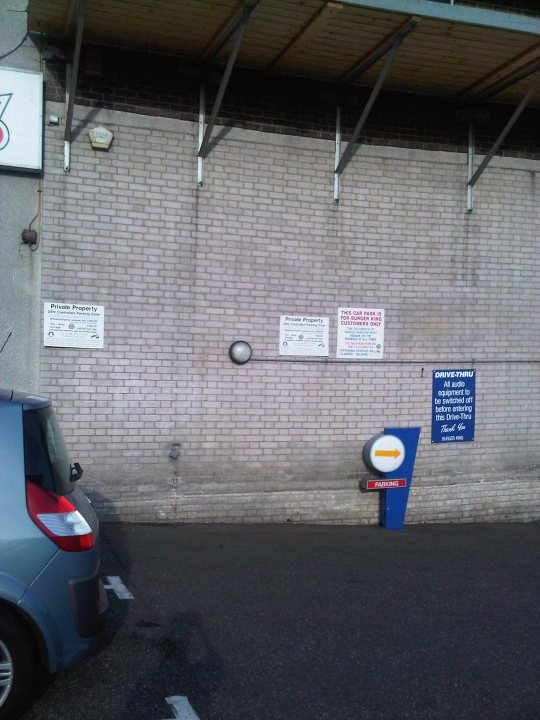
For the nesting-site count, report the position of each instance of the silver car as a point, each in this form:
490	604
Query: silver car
52	601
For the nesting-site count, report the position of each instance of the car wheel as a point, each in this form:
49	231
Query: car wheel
17	665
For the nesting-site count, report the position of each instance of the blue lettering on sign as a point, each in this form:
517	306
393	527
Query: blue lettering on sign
453	405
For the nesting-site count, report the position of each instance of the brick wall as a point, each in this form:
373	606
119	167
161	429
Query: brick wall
184	271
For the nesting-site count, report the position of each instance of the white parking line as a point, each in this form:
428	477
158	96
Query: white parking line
118	588
181	708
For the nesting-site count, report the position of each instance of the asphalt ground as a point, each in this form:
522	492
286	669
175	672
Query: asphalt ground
293	622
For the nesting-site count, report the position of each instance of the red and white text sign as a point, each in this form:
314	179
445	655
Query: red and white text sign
384	484
360	333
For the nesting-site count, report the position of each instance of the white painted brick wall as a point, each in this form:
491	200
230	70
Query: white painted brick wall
183	272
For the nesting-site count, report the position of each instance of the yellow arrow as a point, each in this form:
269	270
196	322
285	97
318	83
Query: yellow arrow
387	453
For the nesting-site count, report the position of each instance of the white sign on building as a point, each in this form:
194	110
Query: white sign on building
360	334
21	119
301	335
73	325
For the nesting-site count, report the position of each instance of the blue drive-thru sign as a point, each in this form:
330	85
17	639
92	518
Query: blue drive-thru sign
453	403
391	455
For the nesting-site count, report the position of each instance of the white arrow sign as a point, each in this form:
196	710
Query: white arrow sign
384	453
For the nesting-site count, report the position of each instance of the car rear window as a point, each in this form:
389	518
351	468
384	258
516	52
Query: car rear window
46	459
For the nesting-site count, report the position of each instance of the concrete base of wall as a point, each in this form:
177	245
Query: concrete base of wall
500	499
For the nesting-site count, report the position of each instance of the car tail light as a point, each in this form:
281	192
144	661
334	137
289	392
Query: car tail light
58	519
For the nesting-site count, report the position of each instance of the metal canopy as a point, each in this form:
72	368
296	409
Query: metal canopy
455	47
458	51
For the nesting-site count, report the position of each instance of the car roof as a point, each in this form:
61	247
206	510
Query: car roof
27	399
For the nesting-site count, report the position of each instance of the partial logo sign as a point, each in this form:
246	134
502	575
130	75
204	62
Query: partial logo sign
4	130
21	119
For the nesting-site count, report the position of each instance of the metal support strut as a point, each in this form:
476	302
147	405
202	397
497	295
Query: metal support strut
239	28
73	84
496	145
338	153
392	49
470	168
200	160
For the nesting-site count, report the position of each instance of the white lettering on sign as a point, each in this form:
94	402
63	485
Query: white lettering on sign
380	484
384	484
454	373
453	405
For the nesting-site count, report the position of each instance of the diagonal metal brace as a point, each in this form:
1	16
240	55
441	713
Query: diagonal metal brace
226	32
73	84
380	50
350	149
509	125
203	149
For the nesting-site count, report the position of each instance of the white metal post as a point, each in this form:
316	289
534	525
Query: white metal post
470	168
200	160
337	154
71	87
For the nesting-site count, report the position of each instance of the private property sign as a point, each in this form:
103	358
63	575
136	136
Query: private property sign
75	325
305	336
21	119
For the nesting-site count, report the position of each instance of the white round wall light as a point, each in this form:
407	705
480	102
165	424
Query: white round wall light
240	352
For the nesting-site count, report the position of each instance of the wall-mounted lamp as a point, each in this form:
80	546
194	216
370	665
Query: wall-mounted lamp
240	352
100	138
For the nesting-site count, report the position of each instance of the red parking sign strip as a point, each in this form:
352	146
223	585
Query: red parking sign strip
386	484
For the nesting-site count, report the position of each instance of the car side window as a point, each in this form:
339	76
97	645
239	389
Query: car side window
45	456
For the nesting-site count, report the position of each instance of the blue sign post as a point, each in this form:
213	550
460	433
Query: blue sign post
394	502
453	403
391	455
